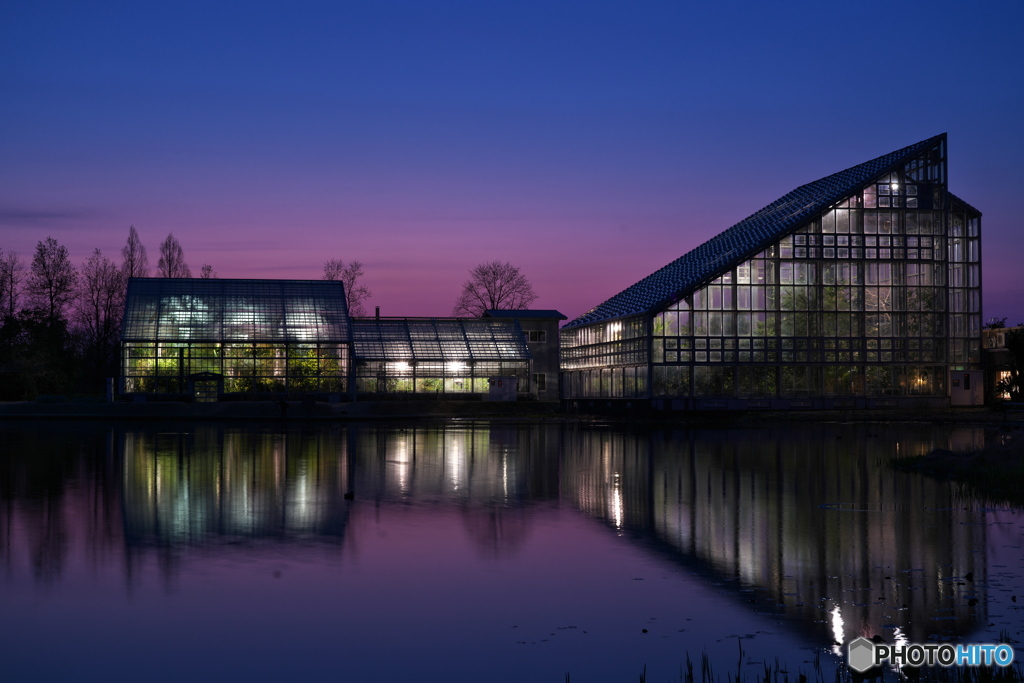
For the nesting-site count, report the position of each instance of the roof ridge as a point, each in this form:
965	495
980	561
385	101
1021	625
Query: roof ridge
748	236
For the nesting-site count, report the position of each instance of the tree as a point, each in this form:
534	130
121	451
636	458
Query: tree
172	259
134	262
12	272
100	306
355	293
51	284
36	348
494	285
207	272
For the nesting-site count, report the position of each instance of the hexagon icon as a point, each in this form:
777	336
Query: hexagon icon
861	655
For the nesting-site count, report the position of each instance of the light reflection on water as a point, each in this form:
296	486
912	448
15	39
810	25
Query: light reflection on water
479	551
808	518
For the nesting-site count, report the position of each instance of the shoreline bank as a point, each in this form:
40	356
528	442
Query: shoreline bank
322	411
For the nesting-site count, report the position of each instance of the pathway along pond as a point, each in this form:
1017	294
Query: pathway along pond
483	551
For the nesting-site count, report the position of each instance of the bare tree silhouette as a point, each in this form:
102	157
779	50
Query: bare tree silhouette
172	259
494	285
134	262
355	293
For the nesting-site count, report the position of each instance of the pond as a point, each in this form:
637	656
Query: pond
483	551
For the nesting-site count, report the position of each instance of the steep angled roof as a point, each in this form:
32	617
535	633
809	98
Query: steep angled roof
223	310
747	237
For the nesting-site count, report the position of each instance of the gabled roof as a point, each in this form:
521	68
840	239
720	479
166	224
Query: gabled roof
222	310
747	237
438	339
524	313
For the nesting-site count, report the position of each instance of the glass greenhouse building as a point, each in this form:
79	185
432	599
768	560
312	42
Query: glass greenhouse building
438	355
861	289
183	336
203	339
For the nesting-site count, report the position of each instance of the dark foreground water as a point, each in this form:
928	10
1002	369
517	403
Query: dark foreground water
481	551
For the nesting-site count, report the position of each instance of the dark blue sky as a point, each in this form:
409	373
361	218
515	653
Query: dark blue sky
588	142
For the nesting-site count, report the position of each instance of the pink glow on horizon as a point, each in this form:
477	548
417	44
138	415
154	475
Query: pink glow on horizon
588	145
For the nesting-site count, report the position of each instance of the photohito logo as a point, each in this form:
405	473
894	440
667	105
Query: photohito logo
862	654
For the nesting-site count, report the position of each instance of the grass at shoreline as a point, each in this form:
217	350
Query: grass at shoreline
776	672
995	472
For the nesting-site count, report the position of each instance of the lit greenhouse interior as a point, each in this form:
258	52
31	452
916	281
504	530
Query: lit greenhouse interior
437	355
862	284
256	336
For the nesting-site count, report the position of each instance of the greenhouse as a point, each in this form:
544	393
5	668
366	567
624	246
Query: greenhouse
438	355
862	289
207	337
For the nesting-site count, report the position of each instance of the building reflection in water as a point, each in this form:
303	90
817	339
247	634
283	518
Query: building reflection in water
214	483
804	520
489	473
809	522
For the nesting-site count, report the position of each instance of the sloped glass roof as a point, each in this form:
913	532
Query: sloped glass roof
438	339
216	310
748	237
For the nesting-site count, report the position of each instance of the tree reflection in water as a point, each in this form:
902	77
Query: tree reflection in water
804	522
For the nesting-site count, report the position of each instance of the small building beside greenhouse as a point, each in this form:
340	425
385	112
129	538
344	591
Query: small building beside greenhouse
1002	355
540	330
861	289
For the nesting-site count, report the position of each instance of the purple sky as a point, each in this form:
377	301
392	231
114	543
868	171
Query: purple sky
587	142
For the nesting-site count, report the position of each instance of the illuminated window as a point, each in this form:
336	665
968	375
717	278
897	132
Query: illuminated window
1002	376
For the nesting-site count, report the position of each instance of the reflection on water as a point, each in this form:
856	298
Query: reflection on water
221	484
804	523
815	522
215	484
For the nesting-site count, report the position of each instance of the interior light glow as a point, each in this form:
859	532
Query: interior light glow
617	515
401	464
453	459
900	637
837	632
455	367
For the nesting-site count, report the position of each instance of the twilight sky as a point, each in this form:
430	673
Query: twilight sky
588	142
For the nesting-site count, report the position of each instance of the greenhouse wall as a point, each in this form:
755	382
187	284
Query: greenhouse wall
876	297
257	338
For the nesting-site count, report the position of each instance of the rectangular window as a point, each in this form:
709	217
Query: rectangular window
1003	376
537	336
540	380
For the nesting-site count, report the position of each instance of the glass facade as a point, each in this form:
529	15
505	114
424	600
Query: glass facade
606	359
165	368
877	296
257	335
437	355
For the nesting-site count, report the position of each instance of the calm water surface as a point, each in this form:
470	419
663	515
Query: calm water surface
481	551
